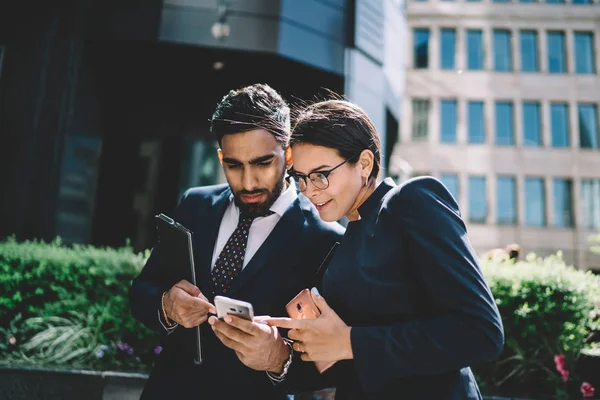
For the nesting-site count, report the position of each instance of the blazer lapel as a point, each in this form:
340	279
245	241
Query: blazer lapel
276	244
204	241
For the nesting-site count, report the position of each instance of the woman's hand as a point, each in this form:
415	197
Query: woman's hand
326	338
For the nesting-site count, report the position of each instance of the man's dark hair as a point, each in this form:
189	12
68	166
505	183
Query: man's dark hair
339	125
252	107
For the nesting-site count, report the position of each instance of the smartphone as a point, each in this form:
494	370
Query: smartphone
302	306
226	306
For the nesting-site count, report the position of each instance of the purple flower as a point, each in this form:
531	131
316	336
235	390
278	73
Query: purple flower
125	348
99	353
157	350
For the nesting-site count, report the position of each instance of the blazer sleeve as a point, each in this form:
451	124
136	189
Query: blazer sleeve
145	293
468	330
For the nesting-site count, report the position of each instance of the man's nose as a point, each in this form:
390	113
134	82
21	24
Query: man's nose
249	179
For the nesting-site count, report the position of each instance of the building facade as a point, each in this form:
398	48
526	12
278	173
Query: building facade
501	104
104	104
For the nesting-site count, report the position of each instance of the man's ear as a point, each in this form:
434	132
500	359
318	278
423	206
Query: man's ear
288	157
220	154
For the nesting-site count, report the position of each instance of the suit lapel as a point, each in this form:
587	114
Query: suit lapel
205	239
276	244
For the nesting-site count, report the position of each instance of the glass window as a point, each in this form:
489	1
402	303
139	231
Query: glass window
559	124
475	49
473	1
451	182
502	50
535	202
527	1
448	48
532	126
421	48
506	205
420	119
588	126
555	1
562	192
477	199
476	122
584	53
504	123
502	1
529	51
590	203
448	121
582	2
557	62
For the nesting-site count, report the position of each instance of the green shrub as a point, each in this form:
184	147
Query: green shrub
547	309
48	288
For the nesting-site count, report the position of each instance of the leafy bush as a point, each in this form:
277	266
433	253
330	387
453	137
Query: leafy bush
70	301
548	313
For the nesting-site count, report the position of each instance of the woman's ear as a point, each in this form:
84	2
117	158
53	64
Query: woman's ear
366	161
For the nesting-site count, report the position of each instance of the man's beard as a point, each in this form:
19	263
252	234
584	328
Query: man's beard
259	209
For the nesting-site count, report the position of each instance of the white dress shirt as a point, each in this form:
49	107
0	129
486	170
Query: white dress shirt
260	229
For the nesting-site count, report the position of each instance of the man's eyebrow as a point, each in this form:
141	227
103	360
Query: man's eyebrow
262	159
229	160
257	160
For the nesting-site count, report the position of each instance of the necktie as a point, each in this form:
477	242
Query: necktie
230	261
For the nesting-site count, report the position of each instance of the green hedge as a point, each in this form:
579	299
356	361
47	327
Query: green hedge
548	309
67	306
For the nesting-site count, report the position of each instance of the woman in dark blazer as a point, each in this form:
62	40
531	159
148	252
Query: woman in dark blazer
408	310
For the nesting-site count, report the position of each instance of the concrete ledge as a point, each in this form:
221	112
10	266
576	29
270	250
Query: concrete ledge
27	383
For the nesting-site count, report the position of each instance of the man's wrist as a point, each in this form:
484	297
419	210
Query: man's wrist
170	322
276	378
283	361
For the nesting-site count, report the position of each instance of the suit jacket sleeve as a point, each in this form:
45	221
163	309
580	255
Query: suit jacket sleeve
145	293
468	331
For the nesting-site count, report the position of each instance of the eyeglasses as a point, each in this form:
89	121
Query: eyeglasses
320	179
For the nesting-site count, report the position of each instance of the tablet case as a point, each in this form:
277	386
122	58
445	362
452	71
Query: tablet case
177	252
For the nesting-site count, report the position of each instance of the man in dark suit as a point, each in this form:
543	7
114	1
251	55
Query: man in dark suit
243	233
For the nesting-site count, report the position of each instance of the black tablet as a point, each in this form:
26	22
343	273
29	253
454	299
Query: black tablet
177	252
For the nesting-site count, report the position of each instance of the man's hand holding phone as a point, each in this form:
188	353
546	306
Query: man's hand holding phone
257	345
185	304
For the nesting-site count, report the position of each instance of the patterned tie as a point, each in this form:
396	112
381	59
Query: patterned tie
231	260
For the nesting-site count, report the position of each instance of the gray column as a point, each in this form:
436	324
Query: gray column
543	51
491	195
546	135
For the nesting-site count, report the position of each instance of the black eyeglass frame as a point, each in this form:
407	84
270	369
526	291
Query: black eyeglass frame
296	176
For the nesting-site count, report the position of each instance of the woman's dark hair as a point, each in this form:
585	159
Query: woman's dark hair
252	107
339	125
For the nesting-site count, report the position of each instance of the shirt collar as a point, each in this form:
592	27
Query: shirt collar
285	200
372	203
